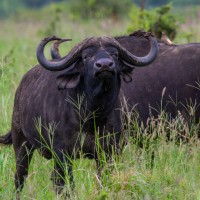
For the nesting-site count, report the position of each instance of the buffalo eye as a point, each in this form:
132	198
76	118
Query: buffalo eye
85	57
114	54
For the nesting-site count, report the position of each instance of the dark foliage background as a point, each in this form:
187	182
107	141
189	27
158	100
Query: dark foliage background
8	7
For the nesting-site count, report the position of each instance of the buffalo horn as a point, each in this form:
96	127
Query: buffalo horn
132	59
66	61
55	50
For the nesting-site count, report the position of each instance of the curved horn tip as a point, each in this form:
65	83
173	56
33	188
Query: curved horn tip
49	38
61	41
62	64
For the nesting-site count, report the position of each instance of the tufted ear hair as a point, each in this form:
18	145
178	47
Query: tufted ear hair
69	79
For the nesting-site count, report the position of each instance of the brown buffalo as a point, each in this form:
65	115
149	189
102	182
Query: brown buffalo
61	105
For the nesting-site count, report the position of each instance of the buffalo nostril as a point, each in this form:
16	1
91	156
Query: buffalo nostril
110	64
98	64
104	63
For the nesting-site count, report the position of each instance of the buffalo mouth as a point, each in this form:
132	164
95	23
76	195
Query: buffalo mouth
105	74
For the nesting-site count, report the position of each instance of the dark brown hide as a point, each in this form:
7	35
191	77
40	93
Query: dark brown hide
175	73
63	110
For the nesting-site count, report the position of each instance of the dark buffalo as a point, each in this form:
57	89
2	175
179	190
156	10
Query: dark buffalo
171	83
62	104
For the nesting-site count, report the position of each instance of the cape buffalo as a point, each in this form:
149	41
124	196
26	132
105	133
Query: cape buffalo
61	105
171	83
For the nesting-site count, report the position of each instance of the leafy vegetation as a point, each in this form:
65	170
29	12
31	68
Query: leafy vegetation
155	3
99	9
175	171
157	20
185	2
92	7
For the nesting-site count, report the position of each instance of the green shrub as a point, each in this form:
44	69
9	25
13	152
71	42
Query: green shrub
54	23
157	20
8	7
99	9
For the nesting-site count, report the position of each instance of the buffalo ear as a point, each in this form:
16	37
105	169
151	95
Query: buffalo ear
68	80
127	77
126	71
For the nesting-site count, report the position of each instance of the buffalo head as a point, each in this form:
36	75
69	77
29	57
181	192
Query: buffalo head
99	58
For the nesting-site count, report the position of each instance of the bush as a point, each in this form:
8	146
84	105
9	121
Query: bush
8	7
157	21
99	9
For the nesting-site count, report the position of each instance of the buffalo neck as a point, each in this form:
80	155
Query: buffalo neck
101	95
99	99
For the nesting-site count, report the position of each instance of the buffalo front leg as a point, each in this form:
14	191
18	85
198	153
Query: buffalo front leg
23	154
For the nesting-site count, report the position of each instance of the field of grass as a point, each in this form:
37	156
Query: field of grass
175	173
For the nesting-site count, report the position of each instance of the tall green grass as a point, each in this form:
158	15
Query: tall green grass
174	175
176	166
